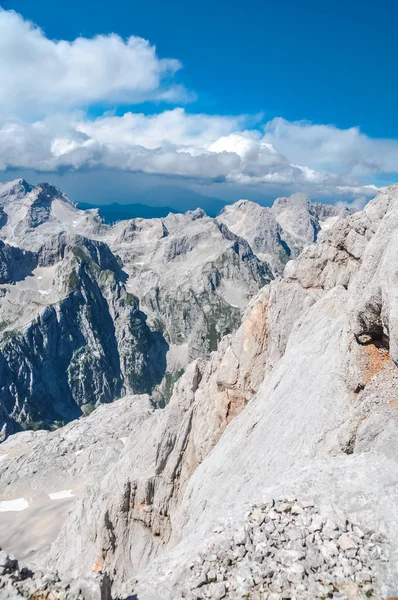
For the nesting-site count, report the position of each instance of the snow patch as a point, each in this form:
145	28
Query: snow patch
13	505
3	457
60	495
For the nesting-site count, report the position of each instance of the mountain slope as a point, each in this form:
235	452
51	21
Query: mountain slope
90	311
77	339
191	276
299	403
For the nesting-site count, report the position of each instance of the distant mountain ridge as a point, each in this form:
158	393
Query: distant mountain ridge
278	233
178	201
114	212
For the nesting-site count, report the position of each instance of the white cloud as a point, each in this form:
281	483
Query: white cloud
44	83
169	128
200	146
171	143
327	148
38	75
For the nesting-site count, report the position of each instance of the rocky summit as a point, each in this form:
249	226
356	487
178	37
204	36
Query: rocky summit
279	233
198	408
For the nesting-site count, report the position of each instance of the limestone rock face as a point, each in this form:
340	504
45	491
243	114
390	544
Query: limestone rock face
297	409
193	277
90	312
15	264
279	233
78	338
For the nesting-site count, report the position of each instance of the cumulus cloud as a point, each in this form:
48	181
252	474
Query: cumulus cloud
198	146
171	143
169	128
46	87
38	74
327	148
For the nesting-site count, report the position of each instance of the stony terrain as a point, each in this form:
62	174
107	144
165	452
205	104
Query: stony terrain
285	549
278	449
17	583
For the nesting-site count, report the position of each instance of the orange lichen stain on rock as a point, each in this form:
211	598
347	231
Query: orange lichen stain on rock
255	323
144	506
97	566
394	404
376	360
191	458
236	403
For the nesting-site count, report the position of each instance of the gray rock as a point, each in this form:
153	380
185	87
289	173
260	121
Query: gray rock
247	426
68	304
280	233
345	542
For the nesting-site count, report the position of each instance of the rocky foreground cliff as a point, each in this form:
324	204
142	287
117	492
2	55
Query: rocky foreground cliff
272	472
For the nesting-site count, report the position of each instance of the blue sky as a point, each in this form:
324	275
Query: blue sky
267	97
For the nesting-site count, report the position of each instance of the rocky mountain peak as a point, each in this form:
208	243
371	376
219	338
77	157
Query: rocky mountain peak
14	190
243	204
52	192
41	200
20	189
31	214
294	201
198	213
280	232
294	216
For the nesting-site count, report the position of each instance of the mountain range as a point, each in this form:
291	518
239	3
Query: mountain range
92	311
270	336
111	213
